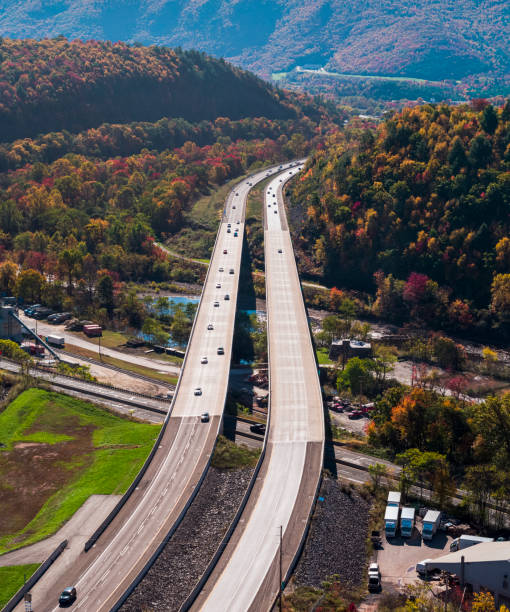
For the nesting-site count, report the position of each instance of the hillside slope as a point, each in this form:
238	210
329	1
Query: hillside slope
55	84
432	39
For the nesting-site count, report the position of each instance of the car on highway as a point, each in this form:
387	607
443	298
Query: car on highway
210	326
235	234
229	224
280	251
203	360
225	251
221	269
238	222
218	285
237	194
258	428
204	417
67	597
228	230
198	391
233	207
221	350
227	297
231	271
269	205
275	212
216	304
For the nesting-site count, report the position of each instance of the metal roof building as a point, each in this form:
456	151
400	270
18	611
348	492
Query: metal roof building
486	567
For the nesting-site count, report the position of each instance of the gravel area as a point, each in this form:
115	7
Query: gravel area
336	543
185	557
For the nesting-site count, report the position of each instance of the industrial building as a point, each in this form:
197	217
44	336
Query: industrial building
10	327
486	567
345	349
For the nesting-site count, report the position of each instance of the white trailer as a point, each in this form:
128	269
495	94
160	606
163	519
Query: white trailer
467	540
407	522
391	521
394	498
430	524
56	341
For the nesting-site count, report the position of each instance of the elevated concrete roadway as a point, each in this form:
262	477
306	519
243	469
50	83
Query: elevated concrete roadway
247	574
107	571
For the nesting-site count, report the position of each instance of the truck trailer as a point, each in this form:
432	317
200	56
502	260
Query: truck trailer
430	524
56	341
391	521
394	498
465	541
407	522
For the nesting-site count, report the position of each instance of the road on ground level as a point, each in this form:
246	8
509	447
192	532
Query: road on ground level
105	573
246	576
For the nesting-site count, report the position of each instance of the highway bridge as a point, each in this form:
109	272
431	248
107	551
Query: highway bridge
247	575
119	558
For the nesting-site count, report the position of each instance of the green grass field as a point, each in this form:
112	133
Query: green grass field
57	452
323	356
12	578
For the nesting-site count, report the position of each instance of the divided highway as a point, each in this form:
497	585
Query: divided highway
104	574
247	574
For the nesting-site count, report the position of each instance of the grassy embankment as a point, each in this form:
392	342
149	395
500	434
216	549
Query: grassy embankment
57	451
12	578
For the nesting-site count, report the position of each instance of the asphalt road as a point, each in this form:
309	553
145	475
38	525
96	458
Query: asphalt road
103	575
246	576
73	339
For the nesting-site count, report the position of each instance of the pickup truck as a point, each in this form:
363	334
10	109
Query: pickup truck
374	578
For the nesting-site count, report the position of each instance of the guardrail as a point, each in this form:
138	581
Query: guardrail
42	569
155	555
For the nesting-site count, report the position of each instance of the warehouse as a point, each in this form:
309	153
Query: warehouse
486	567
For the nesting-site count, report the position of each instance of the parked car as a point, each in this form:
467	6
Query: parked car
259	428
42	313
374	578
355	414
29	309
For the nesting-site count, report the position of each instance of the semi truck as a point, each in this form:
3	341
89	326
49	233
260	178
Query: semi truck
465	541
407	522
430	524
391	521
56	341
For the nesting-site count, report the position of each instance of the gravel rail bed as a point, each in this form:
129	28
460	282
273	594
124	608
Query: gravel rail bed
336	543
184	559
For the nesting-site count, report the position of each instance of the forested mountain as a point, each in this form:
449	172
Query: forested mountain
417	213
80	209
431	39
55	85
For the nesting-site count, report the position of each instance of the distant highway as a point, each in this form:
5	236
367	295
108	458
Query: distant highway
107	571
247	574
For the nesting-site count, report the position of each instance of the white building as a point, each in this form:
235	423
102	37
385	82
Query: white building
486	567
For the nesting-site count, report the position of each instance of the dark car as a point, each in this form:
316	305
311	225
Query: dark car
259	428
67	597
41	313
30	309
221	350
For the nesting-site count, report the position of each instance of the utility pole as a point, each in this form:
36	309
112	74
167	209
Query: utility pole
99	344
281	578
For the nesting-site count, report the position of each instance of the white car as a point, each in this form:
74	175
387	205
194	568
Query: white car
203	360
210	326
198	391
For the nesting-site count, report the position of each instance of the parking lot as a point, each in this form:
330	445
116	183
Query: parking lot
397	557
